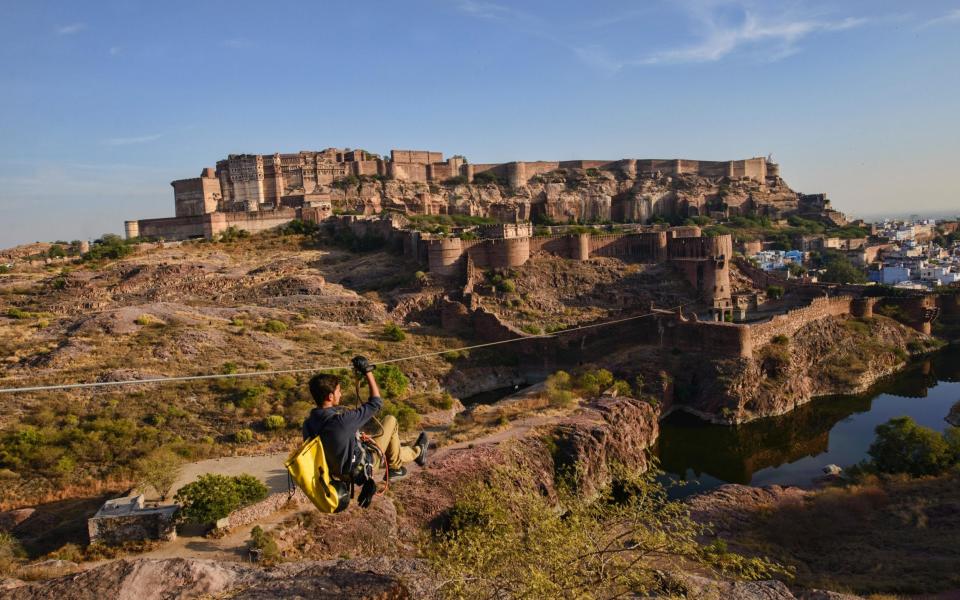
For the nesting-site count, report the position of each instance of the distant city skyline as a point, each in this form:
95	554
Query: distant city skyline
103	105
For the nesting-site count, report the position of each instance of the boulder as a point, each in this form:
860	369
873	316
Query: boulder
953	417
696	586
730	507
156	579
11	518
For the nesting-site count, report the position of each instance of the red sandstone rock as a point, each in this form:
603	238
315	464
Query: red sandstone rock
12	518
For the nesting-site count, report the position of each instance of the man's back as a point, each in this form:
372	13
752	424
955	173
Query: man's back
337	428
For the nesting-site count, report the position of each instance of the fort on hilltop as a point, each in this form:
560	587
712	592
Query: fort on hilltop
254	192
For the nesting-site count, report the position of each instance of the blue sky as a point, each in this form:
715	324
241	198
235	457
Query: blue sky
102	104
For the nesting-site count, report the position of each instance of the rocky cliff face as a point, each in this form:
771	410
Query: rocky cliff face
834	355
569	194
605	432
953	417
167	579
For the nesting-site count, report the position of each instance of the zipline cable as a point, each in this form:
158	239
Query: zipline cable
99	384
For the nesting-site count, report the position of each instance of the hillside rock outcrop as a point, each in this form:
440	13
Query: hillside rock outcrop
168	579
953	417
572	194
603	433
832	355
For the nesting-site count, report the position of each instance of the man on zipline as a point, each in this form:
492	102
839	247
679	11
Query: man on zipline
338	428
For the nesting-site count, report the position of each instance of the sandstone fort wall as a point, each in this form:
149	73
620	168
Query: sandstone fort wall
790	322
173	228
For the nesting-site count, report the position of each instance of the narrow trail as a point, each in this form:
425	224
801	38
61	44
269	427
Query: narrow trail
269	468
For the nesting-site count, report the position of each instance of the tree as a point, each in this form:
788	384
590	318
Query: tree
839	269
159	470
393	332
507	539
558	391
903	446
393	383
109	246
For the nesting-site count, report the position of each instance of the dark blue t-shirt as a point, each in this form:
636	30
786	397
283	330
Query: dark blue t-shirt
337	428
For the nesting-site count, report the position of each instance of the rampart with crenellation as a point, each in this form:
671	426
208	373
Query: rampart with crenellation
363	182
705	261
253	182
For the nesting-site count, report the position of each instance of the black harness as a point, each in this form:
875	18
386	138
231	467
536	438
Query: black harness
360	472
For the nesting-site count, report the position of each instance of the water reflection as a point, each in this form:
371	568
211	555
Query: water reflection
792	449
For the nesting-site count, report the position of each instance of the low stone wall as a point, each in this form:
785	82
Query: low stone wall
116	530
257	512
788	323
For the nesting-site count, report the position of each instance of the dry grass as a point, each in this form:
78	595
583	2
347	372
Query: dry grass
896	536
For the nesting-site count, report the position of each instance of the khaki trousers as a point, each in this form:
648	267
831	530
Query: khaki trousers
389	442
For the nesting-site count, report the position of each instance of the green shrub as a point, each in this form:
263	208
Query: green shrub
274	326
775	292
212	497
157	420
638	383
159	470
298	411
229	368
444	402
243	436
274	422
249	397
392	332
144	320
903	446
558	391
264	542
593	382
532	328
300	227
393	383
10	552
232	234
407	418
622	388
839	269
109	247
485	177
507	286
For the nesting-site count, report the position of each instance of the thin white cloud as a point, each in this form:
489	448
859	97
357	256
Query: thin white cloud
71	29
767	37
483	10
773	39
596	57
127	141
951	17
115	50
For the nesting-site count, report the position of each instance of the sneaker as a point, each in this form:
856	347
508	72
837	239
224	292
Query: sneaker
398	473
423	444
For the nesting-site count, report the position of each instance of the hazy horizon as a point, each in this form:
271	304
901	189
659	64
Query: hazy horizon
105	105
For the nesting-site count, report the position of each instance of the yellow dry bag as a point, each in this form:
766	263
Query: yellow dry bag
308	469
